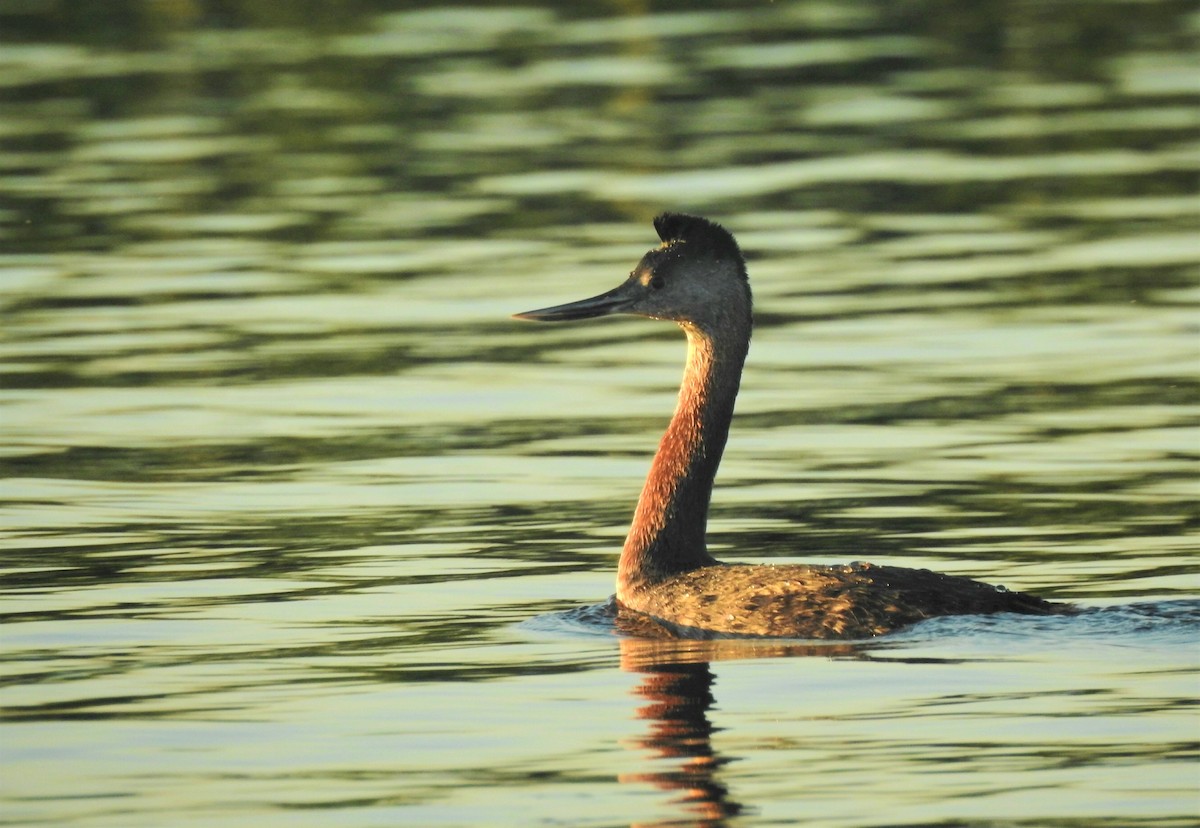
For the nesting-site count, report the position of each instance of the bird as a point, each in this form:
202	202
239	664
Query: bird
666	578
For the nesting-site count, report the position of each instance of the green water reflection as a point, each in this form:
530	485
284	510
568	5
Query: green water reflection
292	511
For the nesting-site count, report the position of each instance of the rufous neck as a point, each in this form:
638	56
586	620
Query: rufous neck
668	532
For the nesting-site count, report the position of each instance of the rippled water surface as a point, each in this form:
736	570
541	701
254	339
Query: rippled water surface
299	528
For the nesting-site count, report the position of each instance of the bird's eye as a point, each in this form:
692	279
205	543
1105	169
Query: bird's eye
656	282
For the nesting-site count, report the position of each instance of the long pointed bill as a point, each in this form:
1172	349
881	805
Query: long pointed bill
616	300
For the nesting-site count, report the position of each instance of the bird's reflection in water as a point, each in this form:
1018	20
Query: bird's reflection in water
678	695
677	685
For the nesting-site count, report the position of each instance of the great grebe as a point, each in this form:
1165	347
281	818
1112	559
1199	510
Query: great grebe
697	279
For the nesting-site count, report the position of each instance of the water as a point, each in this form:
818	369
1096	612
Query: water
300	528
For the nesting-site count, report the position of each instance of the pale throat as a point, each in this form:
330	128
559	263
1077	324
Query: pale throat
668	532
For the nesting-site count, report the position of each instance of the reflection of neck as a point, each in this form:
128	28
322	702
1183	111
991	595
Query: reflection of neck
680	695
667	535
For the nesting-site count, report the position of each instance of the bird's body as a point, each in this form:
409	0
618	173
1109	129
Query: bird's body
858	600
697	279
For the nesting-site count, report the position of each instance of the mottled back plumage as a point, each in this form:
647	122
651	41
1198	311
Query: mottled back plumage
855	601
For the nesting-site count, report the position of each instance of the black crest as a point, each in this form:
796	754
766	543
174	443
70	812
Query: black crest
700	235
697	232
